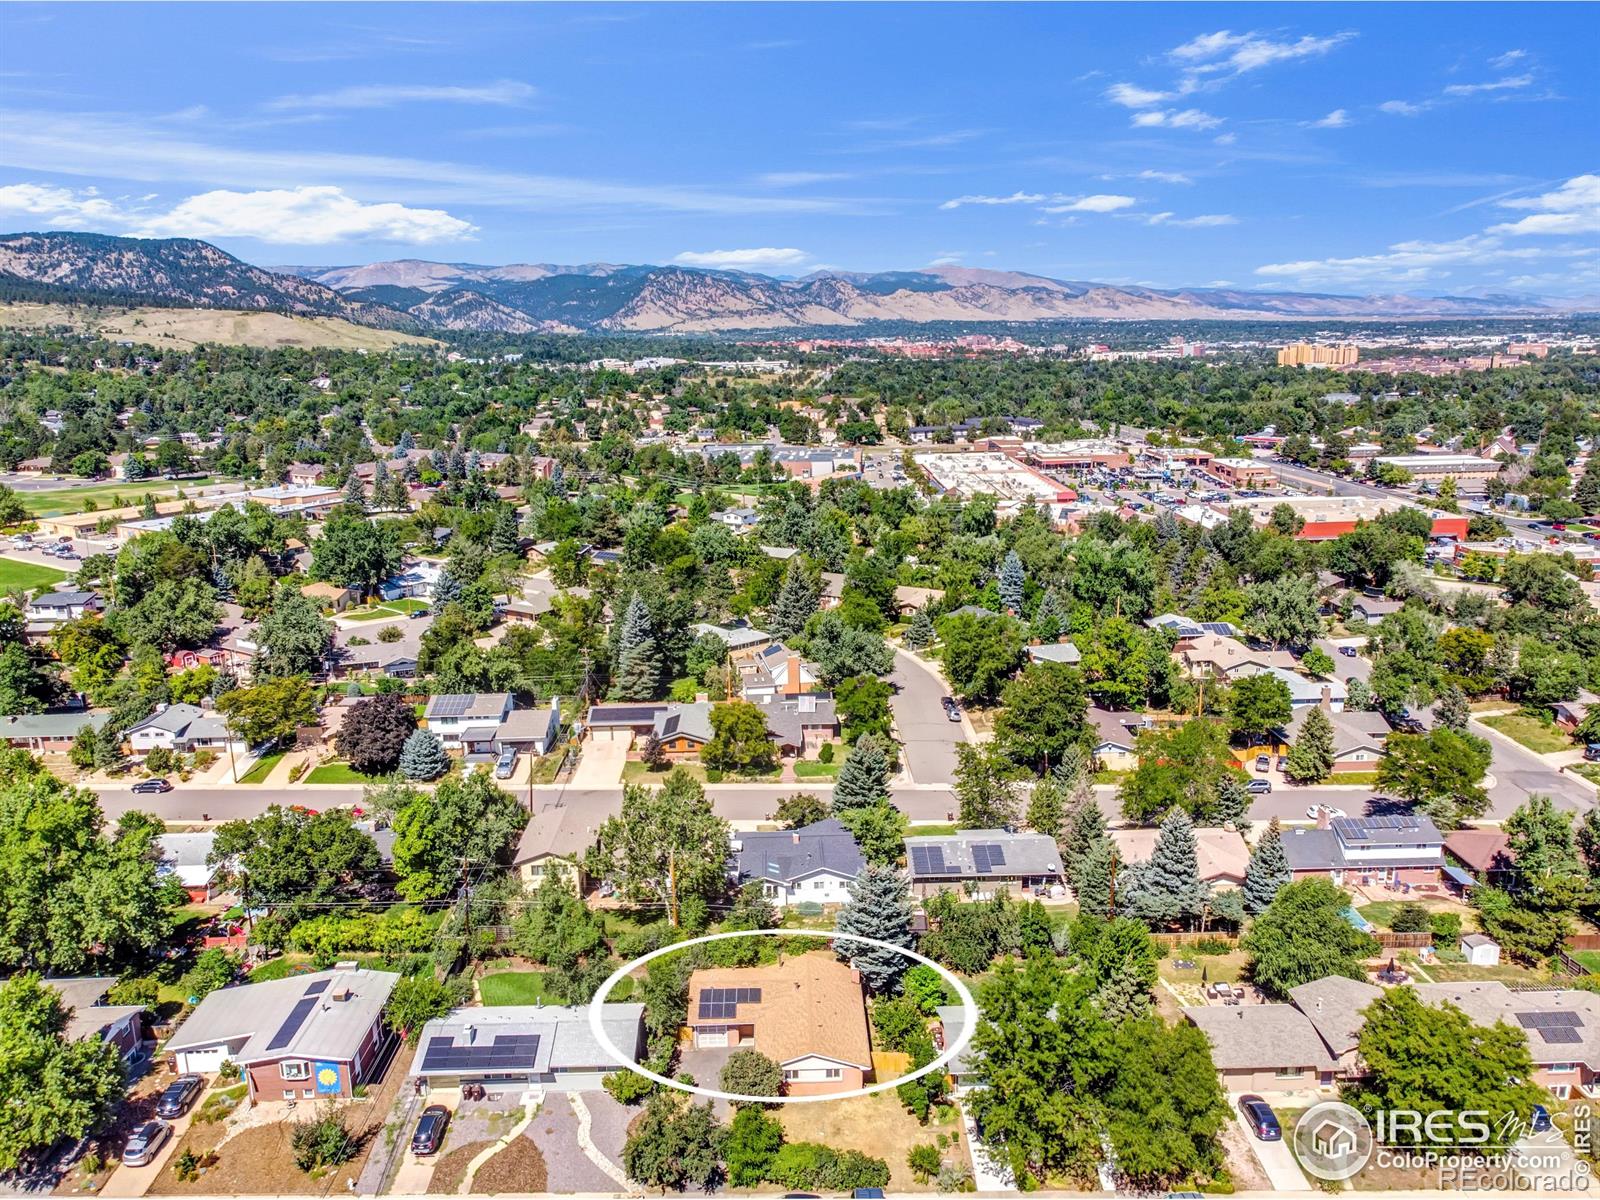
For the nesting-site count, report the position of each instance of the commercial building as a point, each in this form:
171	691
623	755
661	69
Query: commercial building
1312	354
997	475
1328	517
1470	472
1243	473
1078	456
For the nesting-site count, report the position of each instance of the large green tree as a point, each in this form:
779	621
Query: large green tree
980	653
1303	935
1440	772
1042	717
293	638
667	846
879	907
740	740
1182	767
985	794
468	824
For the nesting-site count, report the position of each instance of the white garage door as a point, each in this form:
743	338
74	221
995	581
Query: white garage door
710	1038
202	1061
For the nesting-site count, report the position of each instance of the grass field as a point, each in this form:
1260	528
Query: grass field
1590	959
263	768
17	576
1539	736
389	610
57	502
340	772
816	770
186	328
527	987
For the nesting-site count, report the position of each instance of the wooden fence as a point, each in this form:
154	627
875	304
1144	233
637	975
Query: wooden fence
1189	938
1403	941
1583	941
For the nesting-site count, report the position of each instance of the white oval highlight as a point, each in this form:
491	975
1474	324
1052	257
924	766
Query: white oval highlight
969	1012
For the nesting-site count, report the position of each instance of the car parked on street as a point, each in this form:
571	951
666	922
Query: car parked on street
179	1095
1348	651
952	710
1327	810
429	1134
145	786
1262	1120
145	1142
1258	787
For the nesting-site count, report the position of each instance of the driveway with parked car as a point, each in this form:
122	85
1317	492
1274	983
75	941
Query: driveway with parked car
1273	1152
923	723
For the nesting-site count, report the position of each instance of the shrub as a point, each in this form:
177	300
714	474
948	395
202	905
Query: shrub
925	987
137	989
322	1142
713	775
298	770
924	1162
1207	945
390	633
187	1166
751	1073
825	755
955	1177
203	759
628	1087
1411	917
1446	926
821	1168
159	760
808	908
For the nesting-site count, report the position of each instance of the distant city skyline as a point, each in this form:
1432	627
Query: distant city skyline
1436	149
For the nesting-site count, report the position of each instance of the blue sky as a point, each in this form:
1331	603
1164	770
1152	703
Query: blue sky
1351	148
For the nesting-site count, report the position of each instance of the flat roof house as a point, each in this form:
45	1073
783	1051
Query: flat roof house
303	1037
1367	850
990	858
813	863
545	1046
806	1013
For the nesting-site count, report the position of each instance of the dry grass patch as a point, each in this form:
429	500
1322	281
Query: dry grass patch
518	1168
450	1169
877	1125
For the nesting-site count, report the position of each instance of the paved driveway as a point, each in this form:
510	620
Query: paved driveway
136	1181
930	738
602	761
1276	1159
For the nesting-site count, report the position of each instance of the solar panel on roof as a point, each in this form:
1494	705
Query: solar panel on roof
1549	1020
1562	1036
317	987
986	856
291	1024
451	706
507	1052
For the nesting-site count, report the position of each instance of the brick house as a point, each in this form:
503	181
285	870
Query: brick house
1368	850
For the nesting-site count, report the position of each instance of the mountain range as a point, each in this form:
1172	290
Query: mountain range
416	295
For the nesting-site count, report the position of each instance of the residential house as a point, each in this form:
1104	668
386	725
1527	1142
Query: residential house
738	636
1374	609
181	728
330	596
304	474
908	599
1307	1043
617	721
1219	656
1189	632
830	590
1303	692
467	722
89	1016
740	520
397	658
415	581
962	1068
305	1037
683	729
1060	651
1367	850
558	837
1485	854
806	1012
55	607
1562	1029
1358	737
549	1047
814	863
799	725
49	732
531	730
1115	738
774	670
183	857
1221	854
990	858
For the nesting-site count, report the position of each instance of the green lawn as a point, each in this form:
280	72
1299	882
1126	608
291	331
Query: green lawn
527	987
19	576
368	614
341	772
1589	959
57	502
816	770
1590	771
930	830
263	768
1541	737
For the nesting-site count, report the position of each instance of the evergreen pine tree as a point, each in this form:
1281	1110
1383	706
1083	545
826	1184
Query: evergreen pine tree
446	589
1168	887
1452	711
1085	831
879	907
1358	696
406	444
919	633
439	461
504	538
380	476
1268	870
354	494
147	510
1091	880
455	464
863	777
796	602
1587	494
423	757
1233	801
1049	621
223	584
1311	756
1012	581
638	659
1047	807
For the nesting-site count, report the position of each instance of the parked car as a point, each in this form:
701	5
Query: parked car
1591	752
1348	651
1539	1122
152	785
1263	762
179	1095
144	1143
952	710
1258	787
1327	810
505	764
429	1135
1262	1120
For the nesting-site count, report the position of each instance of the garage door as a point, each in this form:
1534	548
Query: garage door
710	1038
202	1061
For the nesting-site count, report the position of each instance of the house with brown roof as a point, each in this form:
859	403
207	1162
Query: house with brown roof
807	1013
1485	853
1309	1042
1221	854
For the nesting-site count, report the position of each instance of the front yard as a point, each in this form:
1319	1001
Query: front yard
341	772
263	768
878	1125
1538	735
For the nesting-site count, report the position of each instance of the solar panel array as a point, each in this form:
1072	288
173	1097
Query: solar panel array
506	1052
1558	1036
1361	828
451	706
722	1004
1221	628
986	856
317	987
291	1024
927	860
1549	1020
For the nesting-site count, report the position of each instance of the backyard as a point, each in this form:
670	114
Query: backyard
528	987
1538	735
25	576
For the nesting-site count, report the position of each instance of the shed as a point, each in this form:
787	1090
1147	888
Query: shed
1480	951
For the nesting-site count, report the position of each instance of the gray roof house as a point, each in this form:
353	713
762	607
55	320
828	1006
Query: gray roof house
180	727
987	857
952	1020
1408	849
1371	610
88	1016
1358	737
315	1034
48	731
813	863
736	635
543	1045
61	605
1263	1047
1062	651
1334	1006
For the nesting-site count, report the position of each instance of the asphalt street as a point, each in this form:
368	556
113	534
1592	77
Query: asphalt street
930	738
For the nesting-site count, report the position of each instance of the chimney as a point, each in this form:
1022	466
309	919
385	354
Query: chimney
793	685
1322	818
1326	702
794	838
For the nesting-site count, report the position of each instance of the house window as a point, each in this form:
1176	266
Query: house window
295	1070
1287	1073
791	1075
833	1073
1555	1067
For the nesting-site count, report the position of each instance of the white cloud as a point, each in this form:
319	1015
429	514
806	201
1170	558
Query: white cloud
1404	108
387	95
799	178
1093	204
743	260
1014	198
1226	139
947	258
1132	96
1164	176
1573	208
1337	119
1228	54
1188	118
305	216
1203	221
1510	83
1501	62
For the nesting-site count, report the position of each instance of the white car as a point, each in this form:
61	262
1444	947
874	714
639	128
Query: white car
1328	810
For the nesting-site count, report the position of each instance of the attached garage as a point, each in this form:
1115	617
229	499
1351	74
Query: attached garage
514	1046
202	1062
